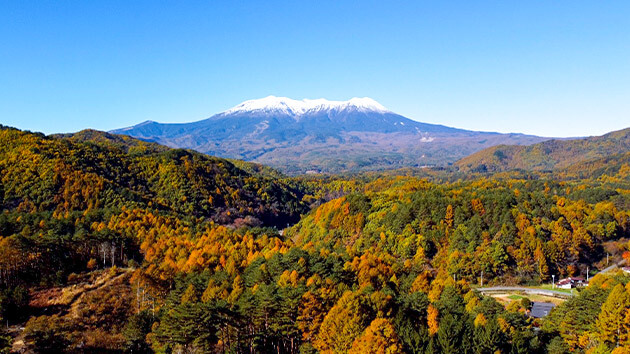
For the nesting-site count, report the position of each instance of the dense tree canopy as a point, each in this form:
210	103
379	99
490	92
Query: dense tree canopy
178	252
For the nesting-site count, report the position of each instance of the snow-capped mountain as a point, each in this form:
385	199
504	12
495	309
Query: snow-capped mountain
272	105
320	135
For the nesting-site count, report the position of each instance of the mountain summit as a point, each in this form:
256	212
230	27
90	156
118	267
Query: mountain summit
319	135
273	104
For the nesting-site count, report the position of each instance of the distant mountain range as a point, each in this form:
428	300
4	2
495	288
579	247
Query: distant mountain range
323	136
553	155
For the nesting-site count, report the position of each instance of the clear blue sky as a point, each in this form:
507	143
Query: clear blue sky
552	68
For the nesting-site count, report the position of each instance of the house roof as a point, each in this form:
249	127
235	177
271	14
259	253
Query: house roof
569	280
541	309
564	281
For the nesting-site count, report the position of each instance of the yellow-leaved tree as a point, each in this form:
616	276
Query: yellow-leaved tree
343	323
379	338
611	318
432	320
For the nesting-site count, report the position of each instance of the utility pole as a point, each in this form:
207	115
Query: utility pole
138	295
482	278
587	271
553	281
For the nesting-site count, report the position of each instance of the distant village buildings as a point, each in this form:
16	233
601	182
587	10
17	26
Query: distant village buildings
571	282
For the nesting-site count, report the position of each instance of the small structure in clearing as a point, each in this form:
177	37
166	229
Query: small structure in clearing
541	309
571	282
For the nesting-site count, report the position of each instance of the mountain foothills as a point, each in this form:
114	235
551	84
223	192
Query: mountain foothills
549	155
323	136
111	244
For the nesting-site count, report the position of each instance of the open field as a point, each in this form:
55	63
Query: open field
549	287
540	290
506	298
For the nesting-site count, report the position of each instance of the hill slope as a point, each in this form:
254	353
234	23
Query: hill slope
110	171
612	165
548	155
324	136
58	195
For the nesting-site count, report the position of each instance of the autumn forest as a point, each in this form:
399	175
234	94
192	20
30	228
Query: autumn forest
110	244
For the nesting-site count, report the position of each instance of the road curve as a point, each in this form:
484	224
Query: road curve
496	289
614	266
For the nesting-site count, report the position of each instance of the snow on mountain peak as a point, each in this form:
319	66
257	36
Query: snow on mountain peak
367	103
273	104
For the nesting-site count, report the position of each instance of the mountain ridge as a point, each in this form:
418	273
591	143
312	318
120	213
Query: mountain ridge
298	136
549	155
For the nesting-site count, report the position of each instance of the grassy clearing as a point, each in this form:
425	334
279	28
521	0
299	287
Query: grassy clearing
542	298
549	287
506	298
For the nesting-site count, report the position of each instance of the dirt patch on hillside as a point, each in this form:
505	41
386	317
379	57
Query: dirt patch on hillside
93	305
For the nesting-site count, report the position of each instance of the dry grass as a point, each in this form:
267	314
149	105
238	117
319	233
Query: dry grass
506	298
93	306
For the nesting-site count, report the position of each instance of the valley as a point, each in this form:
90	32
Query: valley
306	177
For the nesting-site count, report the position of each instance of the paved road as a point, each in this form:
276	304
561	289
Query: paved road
496	289
617	265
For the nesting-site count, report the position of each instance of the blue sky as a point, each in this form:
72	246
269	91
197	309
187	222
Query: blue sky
551	68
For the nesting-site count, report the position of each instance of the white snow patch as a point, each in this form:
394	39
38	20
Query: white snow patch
298	107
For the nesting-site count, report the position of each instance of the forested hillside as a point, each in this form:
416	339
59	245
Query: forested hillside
110	244
63	197
547	156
